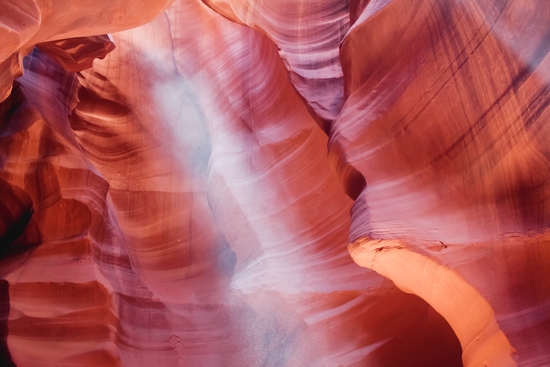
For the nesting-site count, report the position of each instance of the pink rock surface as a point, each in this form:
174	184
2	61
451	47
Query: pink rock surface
187	197
308	35
24	23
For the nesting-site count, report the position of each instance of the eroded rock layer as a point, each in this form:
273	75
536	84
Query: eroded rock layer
184	193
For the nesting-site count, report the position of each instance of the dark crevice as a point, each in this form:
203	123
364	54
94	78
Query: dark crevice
5	356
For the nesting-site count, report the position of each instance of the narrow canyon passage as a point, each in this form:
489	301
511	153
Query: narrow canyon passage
285	183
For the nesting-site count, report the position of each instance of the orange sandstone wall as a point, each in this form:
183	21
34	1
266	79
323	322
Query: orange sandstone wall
183	193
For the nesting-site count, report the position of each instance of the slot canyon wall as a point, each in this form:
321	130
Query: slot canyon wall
274	183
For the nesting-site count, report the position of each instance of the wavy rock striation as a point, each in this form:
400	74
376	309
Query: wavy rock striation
444	120
308	35
187	197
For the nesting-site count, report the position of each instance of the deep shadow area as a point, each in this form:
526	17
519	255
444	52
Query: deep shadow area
416	335
5	356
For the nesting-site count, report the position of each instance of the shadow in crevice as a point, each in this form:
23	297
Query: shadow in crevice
417	336
5	356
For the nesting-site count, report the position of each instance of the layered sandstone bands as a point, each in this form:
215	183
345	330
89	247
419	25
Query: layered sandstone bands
172	203
443	120
25	23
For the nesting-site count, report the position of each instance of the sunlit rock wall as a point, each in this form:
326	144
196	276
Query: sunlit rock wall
184	193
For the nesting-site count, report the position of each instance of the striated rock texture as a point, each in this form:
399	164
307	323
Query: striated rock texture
285	183
25	23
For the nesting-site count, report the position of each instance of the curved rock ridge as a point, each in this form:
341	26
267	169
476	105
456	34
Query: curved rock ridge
25	23
143	276
62	296
308	35
447	112
442	128
76	54
212	98
468	313
192	197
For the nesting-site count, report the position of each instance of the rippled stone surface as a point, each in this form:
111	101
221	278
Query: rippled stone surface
184	193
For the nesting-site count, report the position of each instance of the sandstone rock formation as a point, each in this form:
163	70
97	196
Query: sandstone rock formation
283	183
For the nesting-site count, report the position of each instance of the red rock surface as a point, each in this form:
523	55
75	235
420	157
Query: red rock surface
184	193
